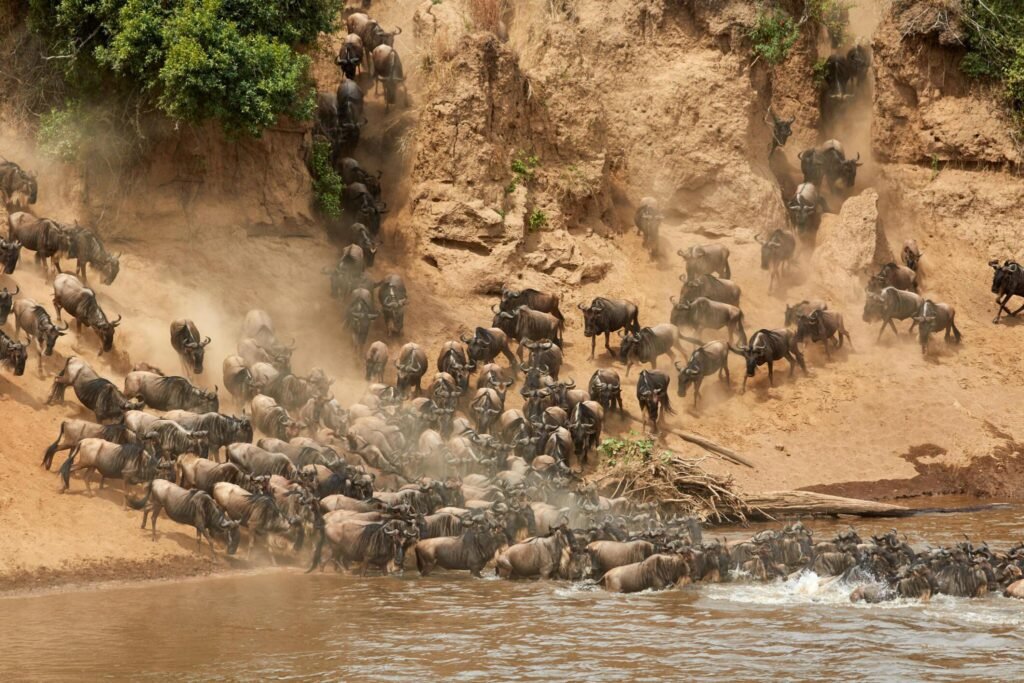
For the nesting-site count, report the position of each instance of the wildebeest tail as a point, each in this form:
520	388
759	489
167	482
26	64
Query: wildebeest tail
57	390
957	336
743	333
141	503
318	526
664	401
65	469
51	450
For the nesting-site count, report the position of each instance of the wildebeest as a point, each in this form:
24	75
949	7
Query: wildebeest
1007	282
70	294
843	74
705	259
272	419
511	299
388	71
411	366
76	373
348	273
657	572
393	300
10	252
604	316
35	322
259	513
170	393
45	236
544	557
829	162
934	317
768	346
711	287
376	361
73	431
646	345
559	445
486	344
87	250
367	209
705	360
15	182
352	172
911	254
544	356
361	237
806	207
487	404
196	508
452	359
358	316
823	326
652	394
189	346
220	430
607	555
776	255
132	463
7	303
194	472
369	544
350	55
105	400
259	462
238	379
13	354
586	424
647	221
371	33
523	322
703	313
479	541
804	307
171	439
605	387
893	275
891	304
781	129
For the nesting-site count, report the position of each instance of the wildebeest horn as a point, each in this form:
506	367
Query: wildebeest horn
672	299
679	252
17	288
65	328
465	339
493	308
115	323
206	341
677	364
581	307
398	30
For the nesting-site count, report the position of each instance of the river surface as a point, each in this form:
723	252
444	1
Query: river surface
288	626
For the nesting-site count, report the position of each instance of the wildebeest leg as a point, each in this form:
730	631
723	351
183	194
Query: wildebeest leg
593	344
828	351
696	390
156	512
771	374
725	369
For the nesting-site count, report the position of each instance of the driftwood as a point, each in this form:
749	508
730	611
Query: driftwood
775	504
714	448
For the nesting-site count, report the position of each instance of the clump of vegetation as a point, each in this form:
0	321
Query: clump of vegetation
327	184
60	133
832	14
995	41
523	171
629	449
818	71
773	35
537	220
235	61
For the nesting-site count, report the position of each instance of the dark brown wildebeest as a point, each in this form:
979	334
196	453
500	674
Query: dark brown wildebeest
347	275
705	360
646	345
559	445
352	172
13	354
657	572
893	275
486	406
1007	282
196	508
273	420
823	326
132	463
711	287
586	423
45	236
350	55
87	250
484	345
16	184
647	221
70	294
911	254
544	356
388	71
10	252
411	366
189	345
371	33
393	299
105	400
511	299
781	129
805	209
652	394
604	316
607	555
705	259
829	162
804	307
703	313
523	322
376	361
358	316
934	317
7	303
370	544
76	373
479	541
605	387
546	557
891	304
73	431
768	346
34	321
170	393
777	254
452	359
260	514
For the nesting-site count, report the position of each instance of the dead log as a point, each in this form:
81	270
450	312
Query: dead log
776	504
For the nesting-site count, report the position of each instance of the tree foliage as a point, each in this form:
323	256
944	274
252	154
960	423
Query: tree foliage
773	35
995	42
231	60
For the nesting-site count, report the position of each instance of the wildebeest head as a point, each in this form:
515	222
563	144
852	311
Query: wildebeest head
687	374
110	267
810	325
196	351
14	355
50	334
592	316
911	254
105	330
755	353
781	129
504	320
682	312
630	345
925	319
24	182
9	253
6	303
478	345
848	170
1005	277
800	213
874	306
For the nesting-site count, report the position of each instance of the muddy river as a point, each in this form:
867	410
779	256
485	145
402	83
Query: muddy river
284	625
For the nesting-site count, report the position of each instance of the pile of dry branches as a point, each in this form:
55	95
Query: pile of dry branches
671	481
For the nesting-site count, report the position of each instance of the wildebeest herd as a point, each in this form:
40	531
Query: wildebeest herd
447	472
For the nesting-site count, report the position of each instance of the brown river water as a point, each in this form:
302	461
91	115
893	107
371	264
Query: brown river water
288	626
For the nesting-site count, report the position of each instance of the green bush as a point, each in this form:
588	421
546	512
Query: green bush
995	42
523	168
537	220
327	184
60	133
832	14
230	60
773	34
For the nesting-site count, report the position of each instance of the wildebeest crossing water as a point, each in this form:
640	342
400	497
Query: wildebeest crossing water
449	626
